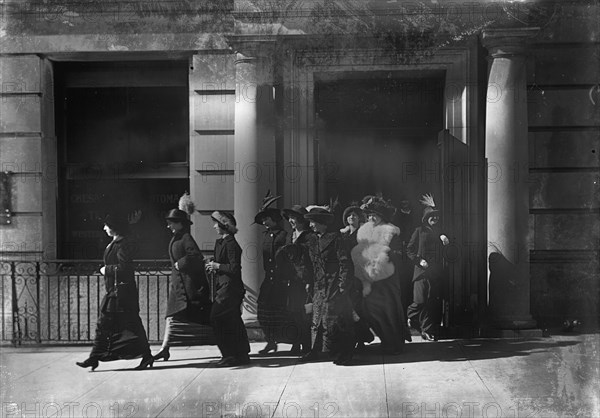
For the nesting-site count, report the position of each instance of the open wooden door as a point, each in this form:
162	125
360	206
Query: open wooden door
460	254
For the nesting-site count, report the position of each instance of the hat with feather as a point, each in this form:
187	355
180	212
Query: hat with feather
379	206
225	220
430	210
266	211
184	211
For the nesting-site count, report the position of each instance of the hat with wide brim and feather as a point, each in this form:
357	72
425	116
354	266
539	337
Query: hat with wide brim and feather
380	207
266	211
184	211
430	209
295	211
319	214
225	220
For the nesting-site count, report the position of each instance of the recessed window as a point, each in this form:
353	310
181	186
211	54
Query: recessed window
123	134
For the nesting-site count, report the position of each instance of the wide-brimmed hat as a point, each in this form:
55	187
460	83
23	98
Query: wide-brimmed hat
379	206
353	209
272	213
266	211
296	211
320	215
177	215
117	223
225	220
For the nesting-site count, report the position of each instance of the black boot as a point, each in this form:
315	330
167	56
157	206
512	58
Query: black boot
147	361
162	354
90	362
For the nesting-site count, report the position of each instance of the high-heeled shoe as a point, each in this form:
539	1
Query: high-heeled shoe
90	362
162	354
268	348
147	361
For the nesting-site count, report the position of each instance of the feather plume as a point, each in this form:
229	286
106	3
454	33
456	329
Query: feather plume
268	200
309	208
427	200
186	204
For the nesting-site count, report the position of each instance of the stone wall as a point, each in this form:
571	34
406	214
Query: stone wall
564	139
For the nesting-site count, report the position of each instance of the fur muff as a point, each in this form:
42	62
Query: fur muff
371	254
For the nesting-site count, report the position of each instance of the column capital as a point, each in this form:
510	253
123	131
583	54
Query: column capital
252	47
508	42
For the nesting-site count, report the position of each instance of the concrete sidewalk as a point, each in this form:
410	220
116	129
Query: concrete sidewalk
554	376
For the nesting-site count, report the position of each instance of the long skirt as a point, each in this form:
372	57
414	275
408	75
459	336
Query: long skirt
119	336
385	313
275	318
182	330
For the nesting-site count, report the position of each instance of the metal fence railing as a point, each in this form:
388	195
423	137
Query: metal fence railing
59	301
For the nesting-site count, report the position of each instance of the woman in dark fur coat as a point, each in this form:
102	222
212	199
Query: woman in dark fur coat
189	294
332	324
119	332
353	219
291	262
376	260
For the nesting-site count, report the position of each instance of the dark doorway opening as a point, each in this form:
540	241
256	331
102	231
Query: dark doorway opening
377	132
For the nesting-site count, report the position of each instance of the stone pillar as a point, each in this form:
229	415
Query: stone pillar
508	170
254	156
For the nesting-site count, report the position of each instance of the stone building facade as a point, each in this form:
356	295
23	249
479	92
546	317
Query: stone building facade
491	106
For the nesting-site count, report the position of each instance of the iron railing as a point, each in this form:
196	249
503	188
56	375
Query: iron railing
59	301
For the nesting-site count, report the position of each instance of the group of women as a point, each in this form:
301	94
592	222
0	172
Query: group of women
325	290
119	331
351	278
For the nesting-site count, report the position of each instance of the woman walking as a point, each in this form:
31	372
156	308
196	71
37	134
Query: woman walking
226	313
376	259
425	250
271	303
119	331
291	268
189	294
332	325
353	218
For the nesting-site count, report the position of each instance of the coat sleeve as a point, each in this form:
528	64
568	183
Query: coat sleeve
192	260
233	267
412	249
122	260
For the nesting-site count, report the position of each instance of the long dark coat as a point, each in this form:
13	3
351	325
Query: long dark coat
189	292
294	271
272	289
119	278
332	307
425	244
228	280
226	316
119	333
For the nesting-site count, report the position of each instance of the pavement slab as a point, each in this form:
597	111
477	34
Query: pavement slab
557	376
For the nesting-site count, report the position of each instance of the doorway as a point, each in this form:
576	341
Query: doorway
377	133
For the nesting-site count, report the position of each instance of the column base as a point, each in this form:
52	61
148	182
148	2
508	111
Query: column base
512	327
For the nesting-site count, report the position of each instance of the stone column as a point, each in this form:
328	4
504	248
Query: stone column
254	154
508	170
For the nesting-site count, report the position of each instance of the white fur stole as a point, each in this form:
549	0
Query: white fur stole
371	254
